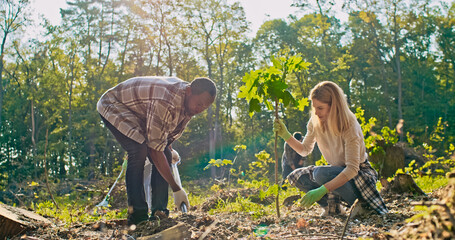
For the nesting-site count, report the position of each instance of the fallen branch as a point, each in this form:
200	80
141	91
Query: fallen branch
20	201
312	236
349	217
208	230
179	231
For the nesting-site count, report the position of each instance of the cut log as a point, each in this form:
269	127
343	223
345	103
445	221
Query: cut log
14	221
401	183
388	161
177	232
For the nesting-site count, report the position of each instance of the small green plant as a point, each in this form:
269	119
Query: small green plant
215	188
272	190
259	169
226	162
237	149
218	163
264	183
437	135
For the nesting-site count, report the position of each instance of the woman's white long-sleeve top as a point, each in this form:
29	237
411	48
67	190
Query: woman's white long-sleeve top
347	150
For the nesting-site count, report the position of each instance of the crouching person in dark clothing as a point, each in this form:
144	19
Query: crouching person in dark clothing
291	160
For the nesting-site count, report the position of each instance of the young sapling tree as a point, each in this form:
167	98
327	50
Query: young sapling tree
267	86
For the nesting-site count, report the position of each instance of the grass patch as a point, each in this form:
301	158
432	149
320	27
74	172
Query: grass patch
246	205
431	183
76	212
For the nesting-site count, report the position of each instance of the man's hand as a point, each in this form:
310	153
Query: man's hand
181	197
175	157
281	130
314	196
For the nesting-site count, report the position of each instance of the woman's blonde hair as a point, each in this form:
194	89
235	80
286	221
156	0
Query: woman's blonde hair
340	116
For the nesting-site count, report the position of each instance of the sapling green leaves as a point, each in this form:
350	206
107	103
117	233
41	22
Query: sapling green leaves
268	85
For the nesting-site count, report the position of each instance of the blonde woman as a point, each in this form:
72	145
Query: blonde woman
340	139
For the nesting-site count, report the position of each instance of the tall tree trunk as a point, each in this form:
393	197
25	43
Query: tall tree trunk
211	140
218	128
398	64
101	35
70	109
229	104
170	62
212	136
2	48
91	174
123	56
386	92
46	171
158	56
32	114
109	43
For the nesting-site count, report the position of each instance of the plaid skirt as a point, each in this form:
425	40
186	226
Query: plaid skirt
365	182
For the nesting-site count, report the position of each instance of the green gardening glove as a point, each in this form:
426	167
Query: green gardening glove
281	130
314	196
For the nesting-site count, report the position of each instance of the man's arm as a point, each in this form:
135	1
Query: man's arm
160	162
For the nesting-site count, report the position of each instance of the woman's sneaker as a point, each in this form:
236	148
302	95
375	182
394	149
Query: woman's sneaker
333	206
357	210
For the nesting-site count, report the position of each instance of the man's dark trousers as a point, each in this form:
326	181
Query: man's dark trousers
137	153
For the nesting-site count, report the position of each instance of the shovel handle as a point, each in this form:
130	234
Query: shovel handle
183	208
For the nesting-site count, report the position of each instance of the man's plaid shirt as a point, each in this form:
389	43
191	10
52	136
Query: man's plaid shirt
149	109
365	182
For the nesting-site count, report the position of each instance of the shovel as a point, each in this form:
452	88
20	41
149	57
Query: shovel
105	202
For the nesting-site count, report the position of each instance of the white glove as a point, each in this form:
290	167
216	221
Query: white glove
175	157
179	198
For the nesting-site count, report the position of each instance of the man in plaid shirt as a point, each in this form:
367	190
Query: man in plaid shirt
145	115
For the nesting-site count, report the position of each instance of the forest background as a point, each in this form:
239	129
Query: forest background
394	59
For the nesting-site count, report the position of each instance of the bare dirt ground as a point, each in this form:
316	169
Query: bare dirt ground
295	223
